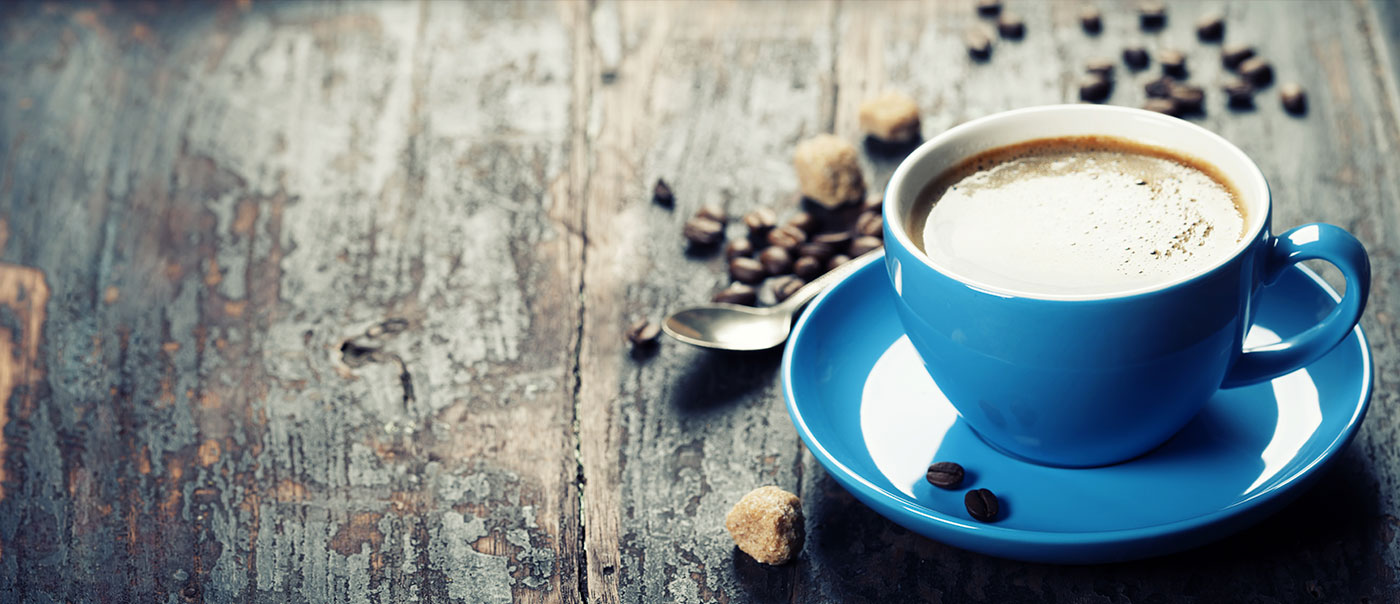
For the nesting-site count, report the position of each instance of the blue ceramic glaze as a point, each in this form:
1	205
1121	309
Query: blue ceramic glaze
1091	380
860	398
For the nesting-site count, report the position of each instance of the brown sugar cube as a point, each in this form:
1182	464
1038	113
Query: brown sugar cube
767	524
828	170
892	117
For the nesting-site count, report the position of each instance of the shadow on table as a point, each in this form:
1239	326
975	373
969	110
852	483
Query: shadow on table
1320	546
715	379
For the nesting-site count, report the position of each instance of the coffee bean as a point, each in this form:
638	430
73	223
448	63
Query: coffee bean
713	212
1160	88
836	240
1090	19
784	287
1162	106
945	474
1136	57
1231	55
1094	88
1100	66
982	505
776	260
870	224
1210	27
808	268
1173	63
737	248
988	8
760	220
702	231
746	270
1152	14
1239	94
861	245
643	333
1189	98
1295	99
1011	26
837	260
873	203
1257	71
815	249
979	46
805	221
662	195
787	237
737	293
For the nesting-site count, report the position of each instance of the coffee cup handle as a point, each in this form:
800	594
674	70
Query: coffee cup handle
1308	242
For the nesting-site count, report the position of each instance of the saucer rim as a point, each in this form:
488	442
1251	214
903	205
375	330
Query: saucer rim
889	504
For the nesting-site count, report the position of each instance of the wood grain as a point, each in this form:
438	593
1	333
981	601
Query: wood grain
313	302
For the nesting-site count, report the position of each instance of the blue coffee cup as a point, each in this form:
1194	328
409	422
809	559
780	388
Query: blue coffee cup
1088	380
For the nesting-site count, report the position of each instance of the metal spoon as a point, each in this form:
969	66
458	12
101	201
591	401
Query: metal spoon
735	327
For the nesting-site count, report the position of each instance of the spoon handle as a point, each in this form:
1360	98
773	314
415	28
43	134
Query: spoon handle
805	294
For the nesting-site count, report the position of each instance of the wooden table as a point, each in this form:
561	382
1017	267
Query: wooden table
324	303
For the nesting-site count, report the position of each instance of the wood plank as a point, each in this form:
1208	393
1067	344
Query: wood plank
711	97
1339	541
312	275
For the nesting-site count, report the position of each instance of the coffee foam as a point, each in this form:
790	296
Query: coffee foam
1078	216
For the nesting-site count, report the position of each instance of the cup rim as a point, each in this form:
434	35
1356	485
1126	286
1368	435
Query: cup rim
1252	180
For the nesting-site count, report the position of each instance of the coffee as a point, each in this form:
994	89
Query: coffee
1083	215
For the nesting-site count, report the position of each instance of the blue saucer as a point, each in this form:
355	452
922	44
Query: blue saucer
874	418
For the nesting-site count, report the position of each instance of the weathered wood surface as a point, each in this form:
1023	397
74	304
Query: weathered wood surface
323	302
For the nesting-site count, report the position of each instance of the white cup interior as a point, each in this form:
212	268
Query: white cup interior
958	143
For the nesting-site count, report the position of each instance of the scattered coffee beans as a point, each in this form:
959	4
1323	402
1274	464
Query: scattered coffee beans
1295	99
1090	19
982	505
662	195
979	45
737	248
870	224
1257	71
1189	98
768	525
702	231
863	244
836	240
836	261
1160	88
805	221
1135	57
1094	88
1239	94
816	249
988	8
892	117
1100	66
1173	63
775	260
737	293
1210	27
1231	55
1011	26
828	170
873	203
945	474
643	333
746	270
785	286
1161	106
760	220
808	268
787	237
1152	14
